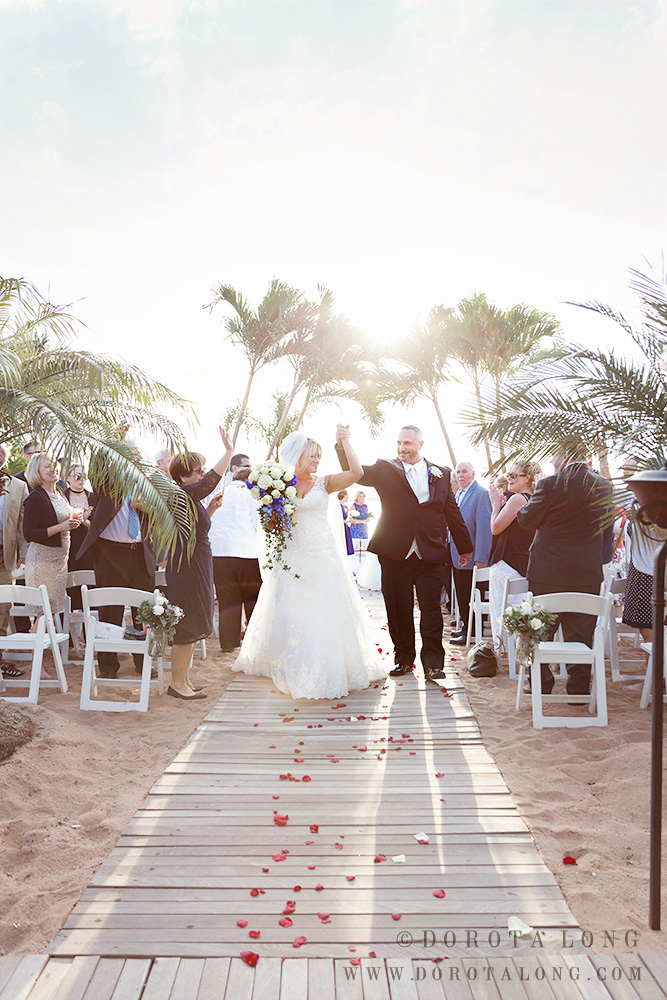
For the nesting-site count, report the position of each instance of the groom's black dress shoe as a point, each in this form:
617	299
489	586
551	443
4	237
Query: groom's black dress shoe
400	669
435	675
460	640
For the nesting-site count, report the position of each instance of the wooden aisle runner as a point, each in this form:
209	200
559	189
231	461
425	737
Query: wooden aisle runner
291	829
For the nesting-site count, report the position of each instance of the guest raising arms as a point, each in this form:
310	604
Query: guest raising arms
190	578
508	558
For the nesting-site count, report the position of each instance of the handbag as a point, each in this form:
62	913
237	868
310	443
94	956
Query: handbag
482	661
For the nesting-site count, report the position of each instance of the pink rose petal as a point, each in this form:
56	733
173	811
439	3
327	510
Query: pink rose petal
439	893
254	934
299	941
241	923
396	916
285	921
250	957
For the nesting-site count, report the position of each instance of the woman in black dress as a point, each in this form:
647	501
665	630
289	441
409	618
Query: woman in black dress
190	579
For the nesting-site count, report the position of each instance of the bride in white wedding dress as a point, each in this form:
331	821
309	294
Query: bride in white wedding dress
308	632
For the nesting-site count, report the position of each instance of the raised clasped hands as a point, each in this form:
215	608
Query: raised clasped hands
342	433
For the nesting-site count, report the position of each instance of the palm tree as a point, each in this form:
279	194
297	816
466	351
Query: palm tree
258	332
74	402
492	345
599	395
423	359
329	359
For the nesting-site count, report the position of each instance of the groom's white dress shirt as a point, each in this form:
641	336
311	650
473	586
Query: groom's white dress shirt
417	476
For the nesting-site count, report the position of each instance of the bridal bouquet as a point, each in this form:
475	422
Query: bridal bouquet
274	485
160	617
530	623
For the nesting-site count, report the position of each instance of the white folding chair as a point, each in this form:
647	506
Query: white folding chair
124	597
33	643
647	689
616	586
479	607
515	588
74	620
570	652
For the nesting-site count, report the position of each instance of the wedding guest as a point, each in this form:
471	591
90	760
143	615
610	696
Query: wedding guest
508	558
190	575
163	460
13	546
80	499
569	513
236	572
30	448
119	539
642	542
359	527
343	499
475	506
47	522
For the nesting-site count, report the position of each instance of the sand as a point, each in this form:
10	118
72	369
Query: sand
68	794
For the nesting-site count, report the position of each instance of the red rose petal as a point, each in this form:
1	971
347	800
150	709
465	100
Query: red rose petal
298	941
568	860
311	868
297	888
276	796
250	957
265	869
371	954
396	916
309	842
355	961
306	777
339	847
439	893
254	934
439	774
278	857
350	878
285	921
319	887
280	820
351	947
254	892
323	916
314	828
378	858
241	923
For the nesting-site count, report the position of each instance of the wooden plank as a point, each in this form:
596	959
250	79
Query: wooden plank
132	979
104	978
239	980
374	977
267	979
619	989
294	979
80	973
321	978
507	982
187	980
8	965
637	972
213	982
51	979
401	984
161	979
527	968
23	977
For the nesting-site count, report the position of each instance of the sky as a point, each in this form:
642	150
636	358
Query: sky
403	153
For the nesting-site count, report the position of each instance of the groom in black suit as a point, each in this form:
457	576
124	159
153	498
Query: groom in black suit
410	541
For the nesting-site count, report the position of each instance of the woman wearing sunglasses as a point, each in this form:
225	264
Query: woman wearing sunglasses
509	549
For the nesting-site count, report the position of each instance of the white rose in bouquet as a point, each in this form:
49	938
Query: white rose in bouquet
536	624
279	485
526	607
265	482
275	494
275	472
289	508
254	492
288	474
252	476
267	501
290	491
158	609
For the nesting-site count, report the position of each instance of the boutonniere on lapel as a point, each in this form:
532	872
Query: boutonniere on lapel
433	475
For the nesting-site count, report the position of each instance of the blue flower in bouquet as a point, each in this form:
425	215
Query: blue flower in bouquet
274	486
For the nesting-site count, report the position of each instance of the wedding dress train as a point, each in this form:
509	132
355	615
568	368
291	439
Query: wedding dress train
308	631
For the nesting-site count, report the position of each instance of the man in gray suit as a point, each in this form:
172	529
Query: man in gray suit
475	506
13	545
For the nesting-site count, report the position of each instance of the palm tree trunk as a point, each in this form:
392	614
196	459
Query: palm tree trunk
244	407
603	459
304	407
450	449
283	419
500	439
480	409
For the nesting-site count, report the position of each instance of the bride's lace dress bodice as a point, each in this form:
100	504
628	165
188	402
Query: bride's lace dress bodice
307	631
